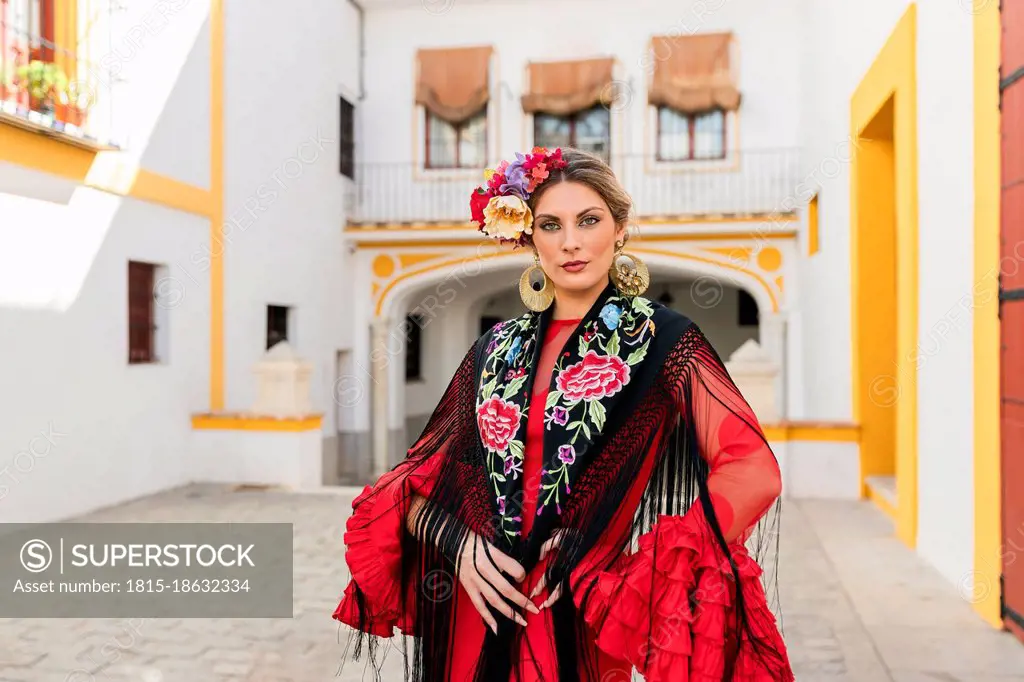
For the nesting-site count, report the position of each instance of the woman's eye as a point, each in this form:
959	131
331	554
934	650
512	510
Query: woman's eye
590	220
549	226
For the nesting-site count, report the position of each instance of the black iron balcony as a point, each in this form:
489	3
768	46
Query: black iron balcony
746	183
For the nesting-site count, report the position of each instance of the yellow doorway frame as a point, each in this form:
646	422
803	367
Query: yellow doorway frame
884	233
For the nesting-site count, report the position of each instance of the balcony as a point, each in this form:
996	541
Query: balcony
51	80
748	183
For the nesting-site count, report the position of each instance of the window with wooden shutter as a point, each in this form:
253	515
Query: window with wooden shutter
141	322
347	139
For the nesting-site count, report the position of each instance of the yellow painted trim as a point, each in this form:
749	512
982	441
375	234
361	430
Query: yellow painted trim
682	256
883	504
812	431
893	76
987	207
813	245
105	171
379	307
217	214
159	189
213	422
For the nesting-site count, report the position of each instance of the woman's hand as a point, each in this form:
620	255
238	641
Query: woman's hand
553	542
480	567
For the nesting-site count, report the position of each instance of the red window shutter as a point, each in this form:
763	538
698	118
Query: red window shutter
140	312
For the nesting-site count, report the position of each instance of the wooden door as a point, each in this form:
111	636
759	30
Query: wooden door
1011	313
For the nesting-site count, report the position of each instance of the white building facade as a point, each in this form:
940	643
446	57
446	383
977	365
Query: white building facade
813	182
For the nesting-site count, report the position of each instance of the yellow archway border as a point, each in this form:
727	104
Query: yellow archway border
383	296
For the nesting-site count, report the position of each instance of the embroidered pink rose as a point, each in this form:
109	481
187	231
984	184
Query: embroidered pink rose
594	377
498	421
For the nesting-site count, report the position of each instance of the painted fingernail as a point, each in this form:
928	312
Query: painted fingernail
494	628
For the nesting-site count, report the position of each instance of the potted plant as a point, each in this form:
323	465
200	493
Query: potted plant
44	81
78	99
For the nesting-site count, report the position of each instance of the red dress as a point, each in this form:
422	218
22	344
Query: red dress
743	481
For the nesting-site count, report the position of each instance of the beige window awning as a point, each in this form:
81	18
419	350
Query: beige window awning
693	73
562	88
453	83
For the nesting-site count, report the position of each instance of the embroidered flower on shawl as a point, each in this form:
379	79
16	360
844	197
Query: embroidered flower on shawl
594	377
501	505
498	422
513	466
567	454
610	315
513	352
560	415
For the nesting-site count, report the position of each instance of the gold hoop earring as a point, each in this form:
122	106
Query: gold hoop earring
631	278
536	288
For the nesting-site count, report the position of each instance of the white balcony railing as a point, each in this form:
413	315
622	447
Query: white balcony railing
748	183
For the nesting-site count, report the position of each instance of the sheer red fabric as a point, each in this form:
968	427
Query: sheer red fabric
669	606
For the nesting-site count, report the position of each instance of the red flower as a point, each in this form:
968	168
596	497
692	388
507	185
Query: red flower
593	378
498	422
477	202
555	160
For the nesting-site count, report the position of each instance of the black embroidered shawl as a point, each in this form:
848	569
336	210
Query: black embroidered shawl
636	380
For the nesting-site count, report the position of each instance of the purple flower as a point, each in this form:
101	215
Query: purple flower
511	466
558	507
560	415
516	180
567	454
501	505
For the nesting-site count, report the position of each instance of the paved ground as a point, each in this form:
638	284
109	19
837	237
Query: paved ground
857	606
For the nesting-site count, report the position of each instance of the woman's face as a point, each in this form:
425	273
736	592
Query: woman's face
574	235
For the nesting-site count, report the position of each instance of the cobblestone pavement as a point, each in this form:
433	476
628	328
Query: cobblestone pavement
857	605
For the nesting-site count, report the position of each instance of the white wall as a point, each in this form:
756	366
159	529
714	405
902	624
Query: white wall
81	427
283	194
842	41
769	43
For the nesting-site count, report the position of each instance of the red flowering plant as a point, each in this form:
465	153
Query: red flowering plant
499	206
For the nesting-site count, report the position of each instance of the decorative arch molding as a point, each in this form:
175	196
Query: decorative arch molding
447	273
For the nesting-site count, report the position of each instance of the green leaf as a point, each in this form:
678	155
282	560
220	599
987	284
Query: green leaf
583	346
515	449
553	398
513	387
586	430
613	344
489	387
638	355
500	477
642	305
573	425
597	414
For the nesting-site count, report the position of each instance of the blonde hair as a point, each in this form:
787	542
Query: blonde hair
590	170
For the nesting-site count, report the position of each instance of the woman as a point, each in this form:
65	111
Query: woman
579	501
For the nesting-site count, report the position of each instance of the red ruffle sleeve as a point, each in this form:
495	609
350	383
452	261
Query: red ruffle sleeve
670	608
376	533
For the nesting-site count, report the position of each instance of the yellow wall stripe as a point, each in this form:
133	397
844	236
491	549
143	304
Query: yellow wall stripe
217	214
892	77
812	431
211	422
106	171
987	175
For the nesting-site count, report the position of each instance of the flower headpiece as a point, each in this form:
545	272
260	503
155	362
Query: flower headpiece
499	207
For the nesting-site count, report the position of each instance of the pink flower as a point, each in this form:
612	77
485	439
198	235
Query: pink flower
594	377
498	422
